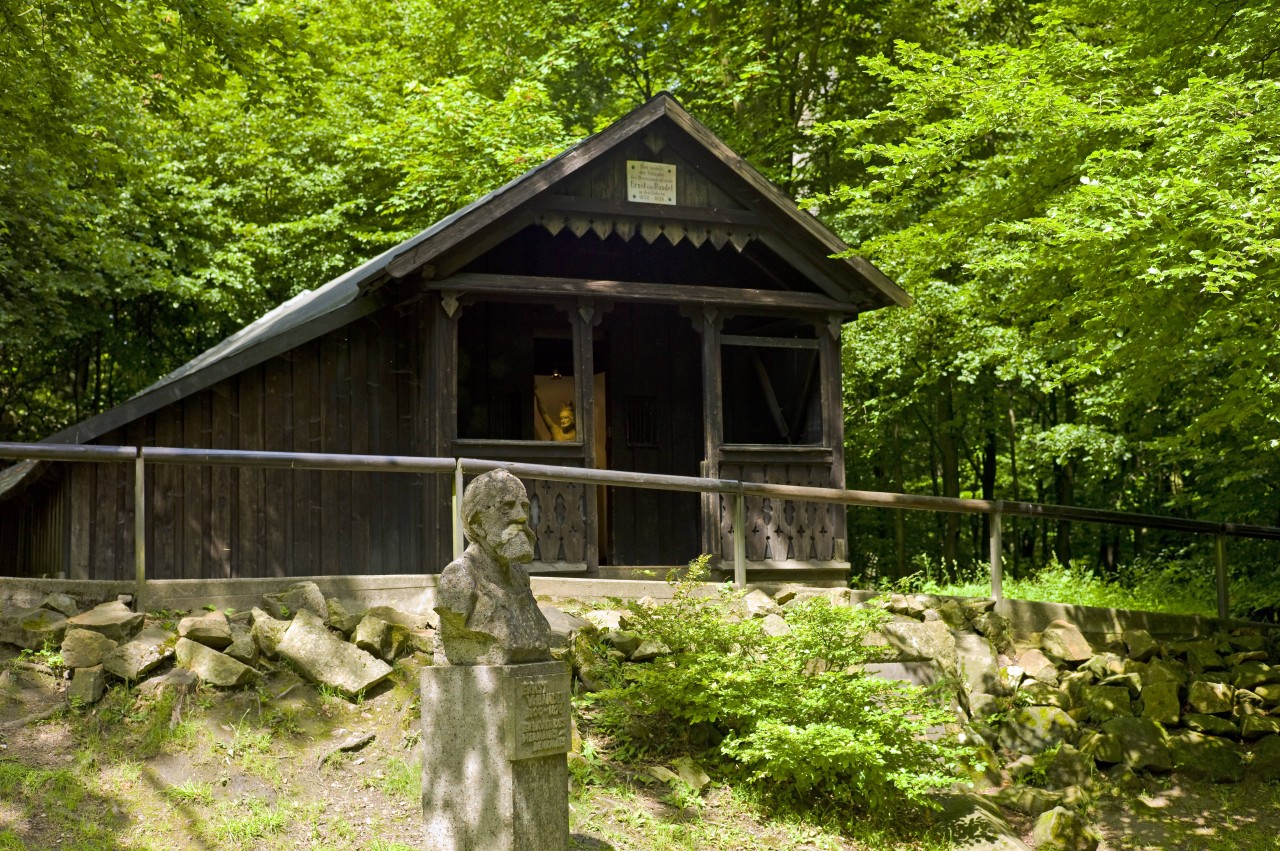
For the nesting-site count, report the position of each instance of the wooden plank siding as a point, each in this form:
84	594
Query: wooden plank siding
352	390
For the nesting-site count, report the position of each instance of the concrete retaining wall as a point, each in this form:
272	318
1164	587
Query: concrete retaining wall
413	593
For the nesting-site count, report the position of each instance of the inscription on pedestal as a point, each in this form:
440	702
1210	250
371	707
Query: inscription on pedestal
538	720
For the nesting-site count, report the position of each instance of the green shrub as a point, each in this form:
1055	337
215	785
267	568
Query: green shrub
799	717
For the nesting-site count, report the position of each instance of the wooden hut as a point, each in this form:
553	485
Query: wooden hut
663	305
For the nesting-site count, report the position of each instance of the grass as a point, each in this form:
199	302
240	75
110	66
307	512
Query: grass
398	779
1173	587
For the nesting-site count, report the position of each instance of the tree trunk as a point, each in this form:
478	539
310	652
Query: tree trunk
949	458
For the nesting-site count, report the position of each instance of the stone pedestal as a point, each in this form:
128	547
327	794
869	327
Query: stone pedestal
494	776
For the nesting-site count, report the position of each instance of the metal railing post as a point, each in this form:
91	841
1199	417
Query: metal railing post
739	540
1220	553
997	553
139	533
459	543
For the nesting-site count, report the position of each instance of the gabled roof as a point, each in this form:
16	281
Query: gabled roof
353	294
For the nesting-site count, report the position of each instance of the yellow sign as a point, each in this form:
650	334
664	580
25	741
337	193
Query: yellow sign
651	183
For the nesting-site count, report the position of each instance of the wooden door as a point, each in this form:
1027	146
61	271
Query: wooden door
654	398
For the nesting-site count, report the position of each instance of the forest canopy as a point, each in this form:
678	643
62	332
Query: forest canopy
1081	196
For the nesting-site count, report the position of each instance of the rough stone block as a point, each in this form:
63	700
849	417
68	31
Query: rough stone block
63	604
1063	640
1032	729
213	667
82	648
32	629
1141	744
1206	757
298	597
211	630
1160	703
88	685
267	632
1061	829
1208	698
140	655
1142	647
326	659
1102	703
494	775
114	620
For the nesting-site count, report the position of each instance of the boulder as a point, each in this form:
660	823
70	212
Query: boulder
1063	640
179	679
300	596
87	686
1140	742
82	648
242	647
1130	682
1037	666
1237	659
592	672
1208	698
1251	674
997	629
1061	829
1039	694
1034	729
979	668
1068	767
919	642
691	773
623	641
328	660
973	823
775	626
267	632
952	614
1268	693
1160	703
1247	641
1210	724
140	655
1202	656
1166	671
1103	665
211	630
1254	726
1266	760
562	624
212	667
32	629
1028	800
650	650
605	619
114	620
390	614
1142	647
63	604
756	604
1206	757
1102	703
340	617
387	641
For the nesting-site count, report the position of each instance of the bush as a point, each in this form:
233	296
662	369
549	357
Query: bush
800	719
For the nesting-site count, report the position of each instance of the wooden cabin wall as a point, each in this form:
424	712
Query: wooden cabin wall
33	540
354	390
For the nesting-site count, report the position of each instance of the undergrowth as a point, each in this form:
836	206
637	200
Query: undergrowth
1175	587
793	716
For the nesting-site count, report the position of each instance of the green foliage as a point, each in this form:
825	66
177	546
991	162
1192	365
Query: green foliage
1085	215
1167	584
800	718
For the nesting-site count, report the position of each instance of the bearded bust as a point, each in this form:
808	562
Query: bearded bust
487	612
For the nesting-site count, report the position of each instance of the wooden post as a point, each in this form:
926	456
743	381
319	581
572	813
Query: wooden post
584	318
459	543
997	566
1221	559
139	534
739	540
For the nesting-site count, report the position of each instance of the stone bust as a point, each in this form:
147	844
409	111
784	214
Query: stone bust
487	612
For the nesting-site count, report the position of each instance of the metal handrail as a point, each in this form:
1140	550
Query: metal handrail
739	490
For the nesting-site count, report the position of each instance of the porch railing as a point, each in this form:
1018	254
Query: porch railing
140	457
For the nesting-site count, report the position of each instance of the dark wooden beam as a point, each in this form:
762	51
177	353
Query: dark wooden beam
739	300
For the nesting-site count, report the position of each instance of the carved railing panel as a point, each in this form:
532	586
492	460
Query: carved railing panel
782	529
557	515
